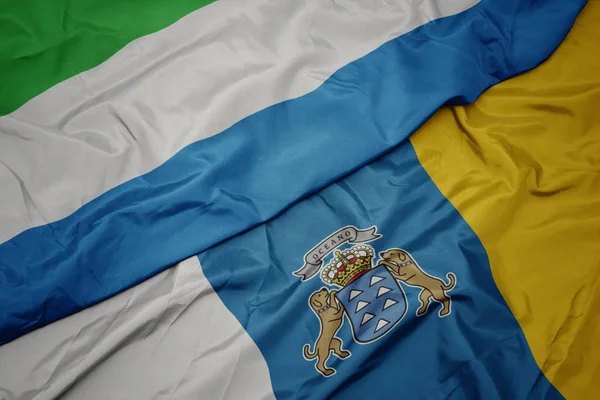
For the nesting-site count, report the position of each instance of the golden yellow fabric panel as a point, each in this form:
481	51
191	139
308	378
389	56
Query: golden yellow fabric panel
522	165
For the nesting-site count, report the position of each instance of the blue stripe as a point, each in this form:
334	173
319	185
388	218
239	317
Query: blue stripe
476	352
221	186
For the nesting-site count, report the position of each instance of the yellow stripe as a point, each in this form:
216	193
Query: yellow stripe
522	165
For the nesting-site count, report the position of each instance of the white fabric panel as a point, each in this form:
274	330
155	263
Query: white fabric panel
170	337
187	82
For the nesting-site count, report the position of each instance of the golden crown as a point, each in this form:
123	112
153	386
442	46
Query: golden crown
348	265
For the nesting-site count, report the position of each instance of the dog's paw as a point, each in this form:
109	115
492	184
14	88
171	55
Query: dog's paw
421	311
444	312
345	354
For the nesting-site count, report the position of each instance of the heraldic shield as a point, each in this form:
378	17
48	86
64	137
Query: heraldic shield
372	298
374	304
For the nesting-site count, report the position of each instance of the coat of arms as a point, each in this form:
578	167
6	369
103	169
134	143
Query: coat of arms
369	295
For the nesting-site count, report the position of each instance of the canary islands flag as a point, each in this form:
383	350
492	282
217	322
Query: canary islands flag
299	199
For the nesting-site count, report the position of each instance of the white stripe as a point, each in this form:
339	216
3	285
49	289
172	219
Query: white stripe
185	83
170	337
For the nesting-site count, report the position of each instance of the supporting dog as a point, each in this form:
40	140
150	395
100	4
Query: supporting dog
405	269
331	315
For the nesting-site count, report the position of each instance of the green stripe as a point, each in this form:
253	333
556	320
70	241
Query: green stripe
44	42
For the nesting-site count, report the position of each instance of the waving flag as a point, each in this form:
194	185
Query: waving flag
222	201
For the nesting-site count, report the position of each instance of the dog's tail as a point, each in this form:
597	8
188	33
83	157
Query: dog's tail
307	354
452	283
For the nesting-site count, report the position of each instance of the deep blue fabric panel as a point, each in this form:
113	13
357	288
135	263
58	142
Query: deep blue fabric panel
476	352
224	185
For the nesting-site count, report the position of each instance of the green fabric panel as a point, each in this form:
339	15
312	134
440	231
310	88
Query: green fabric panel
44	42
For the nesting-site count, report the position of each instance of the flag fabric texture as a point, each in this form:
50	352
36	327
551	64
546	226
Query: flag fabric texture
286	199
